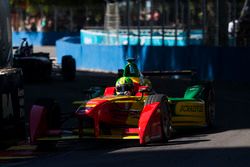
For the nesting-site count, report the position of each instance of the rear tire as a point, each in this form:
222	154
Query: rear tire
210	107
68	68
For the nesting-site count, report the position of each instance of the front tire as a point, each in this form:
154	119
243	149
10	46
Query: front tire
165	114
165	122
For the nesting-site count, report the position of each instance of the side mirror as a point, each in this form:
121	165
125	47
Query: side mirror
144	89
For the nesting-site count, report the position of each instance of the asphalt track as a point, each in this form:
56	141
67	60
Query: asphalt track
228	144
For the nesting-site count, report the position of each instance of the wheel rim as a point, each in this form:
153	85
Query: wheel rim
166	123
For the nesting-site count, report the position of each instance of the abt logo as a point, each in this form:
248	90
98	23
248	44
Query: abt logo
7	107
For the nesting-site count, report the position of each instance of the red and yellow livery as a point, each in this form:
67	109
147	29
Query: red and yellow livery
145	116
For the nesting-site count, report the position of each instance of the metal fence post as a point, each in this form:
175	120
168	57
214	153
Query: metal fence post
128	21
204	20
187	20
176	21
139	21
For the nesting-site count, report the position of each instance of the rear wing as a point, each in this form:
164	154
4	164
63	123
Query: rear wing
170	73
176	74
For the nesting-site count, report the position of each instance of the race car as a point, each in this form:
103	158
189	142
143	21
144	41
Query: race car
133	110
39	65
35	66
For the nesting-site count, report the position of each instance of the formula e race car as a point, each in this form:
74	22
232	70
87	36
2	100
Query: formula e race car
133	110
39	66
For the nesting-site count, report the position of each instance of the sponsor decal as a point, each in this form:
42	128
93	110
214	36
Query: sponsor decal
191	108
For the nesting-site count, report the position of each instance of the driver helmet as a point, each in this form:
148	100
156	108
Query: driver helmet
124	86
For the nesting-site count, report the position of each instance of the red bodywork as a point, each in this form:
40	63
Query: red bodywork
116	115
111	116
150	124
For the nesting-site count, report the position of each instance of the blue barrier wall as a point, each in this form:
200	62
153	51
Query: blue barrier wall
211	63
40	38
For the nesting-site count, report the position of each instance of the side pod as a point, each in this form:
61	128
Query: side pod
150	124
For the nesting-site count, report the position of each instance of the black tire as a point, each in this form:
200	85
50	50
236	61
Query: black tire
165	114
53	112
68	68
155	98
210	107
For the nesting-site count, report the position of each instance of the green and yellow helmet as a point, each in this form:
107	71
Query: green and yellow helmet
124	86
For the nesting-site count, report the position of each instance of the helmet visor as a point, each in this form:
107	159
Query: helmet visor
123	88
